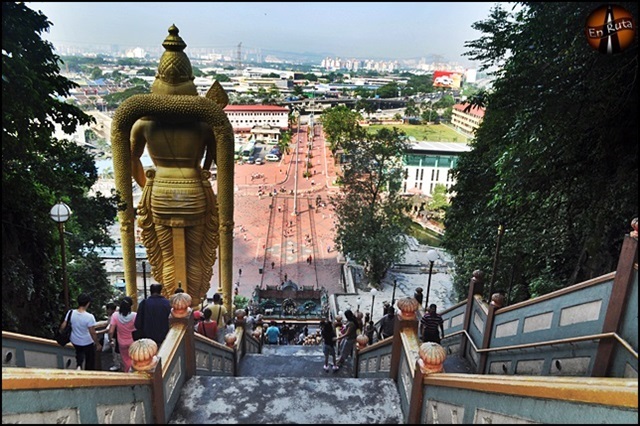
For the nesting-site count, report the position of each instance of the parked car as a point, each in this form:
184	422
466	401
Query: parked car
258	160
272	157
251	159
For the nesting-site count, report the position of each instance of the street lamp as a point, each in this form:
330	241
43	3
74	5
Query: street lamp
60	213
432	256
373	298
393	295
295	175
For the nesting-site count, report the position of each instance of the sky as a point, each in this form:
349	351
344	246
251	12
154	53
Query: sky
384	30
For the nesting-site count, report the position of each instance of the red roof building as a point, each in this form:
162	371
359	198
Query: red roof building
466	122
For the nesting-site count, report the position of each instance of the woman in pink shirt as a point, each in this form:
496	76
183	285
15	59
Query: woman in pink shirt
122	322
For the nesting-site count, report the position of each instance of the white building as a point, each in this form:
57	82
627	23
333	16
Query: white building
429	163
264	122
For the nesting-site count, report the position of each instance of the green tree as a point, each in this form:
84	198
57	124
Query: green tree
555	160
445	102
148	72
439	201
284	141
298	90
371	220
340	125
411	109
114	100
37	171
389	90
197	72
96	73
310	76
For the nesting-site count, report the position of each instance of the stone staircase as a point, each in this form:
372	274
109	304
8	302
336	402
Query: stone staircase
287	384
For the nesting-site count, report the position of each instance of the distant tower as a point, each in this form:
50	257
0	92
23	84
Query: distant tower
239	56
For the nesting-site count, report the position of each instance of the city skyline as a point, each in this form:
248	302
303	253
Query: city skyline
391	31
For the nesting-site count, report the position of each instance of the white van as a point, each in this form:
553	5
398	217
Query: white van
272	157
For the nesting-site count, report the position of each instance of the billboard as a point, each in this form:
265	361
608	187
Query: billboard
447	79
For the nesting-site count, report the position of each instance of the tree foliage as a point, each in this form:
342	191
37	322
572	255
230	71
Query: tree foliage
340	125
37	171
556	158
371	220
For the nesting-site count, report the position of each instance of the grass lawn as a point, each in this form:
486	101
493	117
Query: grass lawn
423	132
423	235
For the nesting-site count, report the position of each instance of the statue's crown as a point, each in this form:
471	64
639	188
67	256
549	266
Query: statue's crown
175	75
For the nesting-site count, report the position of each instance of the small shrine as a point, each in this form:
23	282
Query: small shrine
290	300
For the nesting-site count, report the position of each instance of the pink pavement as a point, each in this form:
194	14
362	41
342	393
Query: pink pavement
267	230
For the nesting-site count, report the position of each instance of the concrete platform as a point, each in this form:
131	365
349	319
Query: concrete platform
287	400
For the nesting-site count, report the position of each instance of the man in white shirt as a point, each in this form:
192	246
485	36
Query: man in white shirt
83	334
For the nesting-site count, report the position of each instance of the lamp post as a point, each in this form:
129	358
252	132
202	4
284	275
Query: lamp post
295	175
60	213
393	295
432	256
373	298
144	278
495	260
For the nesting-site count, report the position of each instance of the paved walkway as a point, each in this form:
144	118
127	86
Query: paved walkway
269	237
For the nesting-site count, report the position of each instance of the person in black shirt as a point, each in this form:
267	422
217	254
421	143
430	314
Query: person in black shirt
328	334
153	315
418	295
387	323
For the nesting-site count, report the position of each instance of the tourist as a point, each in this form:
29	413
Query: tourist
153	315
272	334
328	334
284	333
122	326
387	323
429	325
109	344
83	334
348	337
369	331
219	312
418	295
208	327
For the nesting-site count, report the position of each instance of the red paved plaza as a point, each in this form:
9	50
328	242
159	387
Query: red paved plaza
287	234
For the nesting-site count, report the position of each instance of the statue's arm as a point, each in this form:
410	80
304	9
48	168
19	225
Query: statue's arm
210	143
138	142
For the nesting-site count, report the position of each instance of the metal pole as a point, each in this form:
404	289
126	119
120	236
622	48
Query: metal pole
393	295
144	278
495	260
426	302
373	299
65	285
295	176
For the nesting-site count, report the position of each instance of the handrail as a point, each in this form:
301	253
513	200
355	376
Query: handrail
19	378
170	346
617	392
623	342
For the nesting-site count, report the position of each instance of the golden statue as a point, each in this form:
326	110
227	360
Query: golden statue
182	223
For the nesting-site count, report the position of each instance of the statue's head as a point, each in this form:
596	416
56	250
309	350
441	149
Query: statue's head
174	76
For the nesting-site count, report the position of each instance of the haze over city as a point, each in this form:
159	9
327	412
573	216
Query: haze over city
385	30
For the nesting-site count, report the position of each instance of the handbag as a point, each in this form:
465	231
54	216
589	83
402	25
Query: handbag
64	337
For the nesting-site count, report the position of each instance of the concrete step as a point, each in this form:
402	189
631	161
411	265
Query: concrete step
285	365
292	350
287	400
